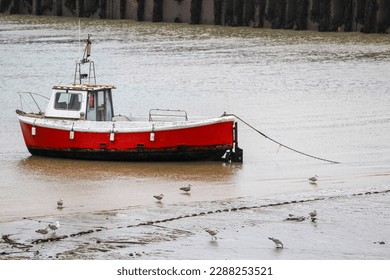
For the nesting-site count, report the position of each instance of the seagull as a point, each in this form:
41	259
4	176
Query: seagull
313	215
186	189
60	204
277	242
43	231
313	179
54	227
158	197
212	232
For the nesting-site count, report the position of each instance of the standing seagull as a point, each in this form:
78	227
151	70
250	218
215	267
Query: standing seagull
54	227
313	180
277	242
212	232
186	189
313	215
60	204
43	231
158	197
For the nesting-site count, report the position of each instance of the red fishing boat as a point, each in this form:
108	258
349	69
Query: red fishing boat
79	122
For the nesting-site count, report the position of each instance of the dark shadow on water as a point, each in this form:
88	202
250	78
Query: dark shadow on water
101	170
213	243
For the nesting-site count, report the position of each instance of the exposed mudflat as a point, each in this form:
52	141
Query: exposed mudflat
348	226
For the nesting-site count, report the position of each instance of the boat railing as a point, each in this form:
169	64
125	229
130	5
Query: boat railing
167	114
29	100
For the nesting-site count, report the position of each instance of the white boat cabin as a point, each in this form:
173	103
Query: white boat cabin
81	101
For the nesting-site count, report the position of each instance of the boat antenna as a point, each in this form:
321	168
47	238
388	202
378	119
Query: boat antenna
86	60
87	50
79	37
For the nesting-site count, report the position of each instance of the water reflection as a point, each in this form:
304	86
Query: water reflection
104	170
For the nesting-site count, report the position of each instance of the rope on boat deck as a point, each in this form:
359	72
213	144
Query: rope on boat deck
277	142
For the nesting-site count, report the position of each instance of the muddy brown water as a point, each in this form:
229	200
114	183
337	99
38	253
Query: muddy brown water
323	94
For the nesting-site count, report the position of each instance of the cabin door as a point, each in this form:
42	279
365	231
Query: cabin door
99	106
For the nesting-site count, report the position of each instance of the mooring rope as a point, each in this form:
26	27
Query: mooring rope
277	142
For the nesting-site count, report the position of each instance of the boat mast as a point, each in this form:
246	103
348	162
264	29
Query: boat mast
78	75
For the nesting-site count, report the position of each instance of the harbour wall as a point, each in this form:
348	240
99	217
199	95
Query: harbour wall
368	16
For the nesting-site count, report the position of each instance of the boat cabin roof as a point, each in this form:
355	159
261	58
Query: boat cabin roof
81	101
84	87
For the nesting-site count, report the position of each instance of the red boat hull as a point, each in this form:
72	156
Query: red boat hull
203	142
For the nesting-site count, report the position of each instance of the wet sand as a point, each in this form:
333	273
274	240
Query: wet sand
348	226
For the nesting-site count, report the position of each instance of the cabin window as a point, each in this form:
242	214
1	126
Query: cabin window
68	101
109	110
91	108
91	102
101	106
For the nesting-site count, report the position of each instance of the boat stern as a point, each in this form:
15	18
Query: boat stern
236	153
